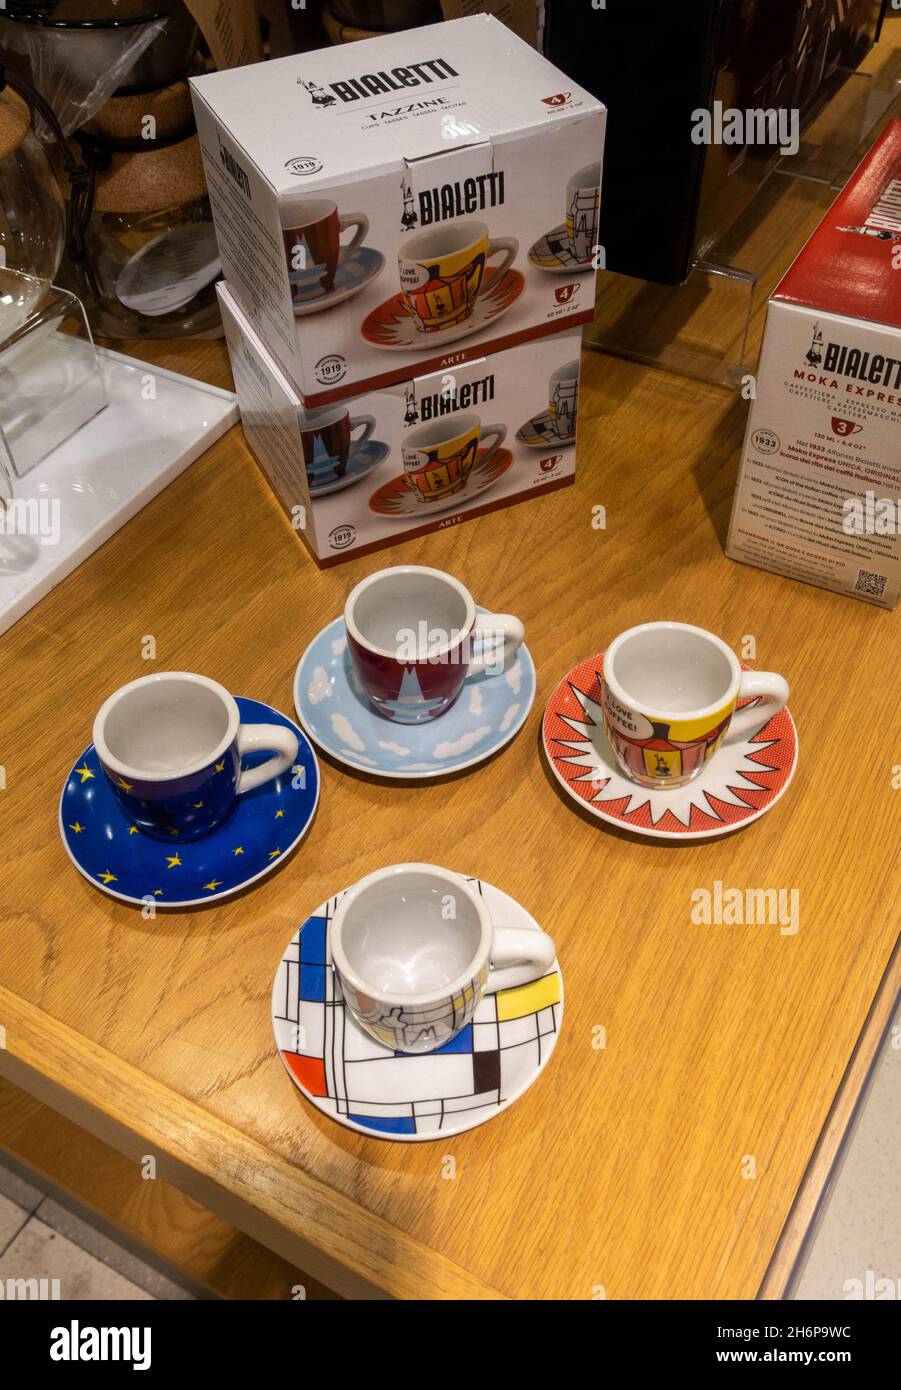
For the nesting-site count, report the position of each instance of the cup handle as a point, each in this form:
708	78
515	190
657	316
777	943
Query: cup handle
252	738
518	956
361	222
500	434
368	422
488	625
775	691
508	244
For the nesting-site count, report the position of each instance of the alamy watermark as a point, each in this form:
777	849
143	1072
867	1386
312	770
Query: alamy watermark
730	125
31	516
747	907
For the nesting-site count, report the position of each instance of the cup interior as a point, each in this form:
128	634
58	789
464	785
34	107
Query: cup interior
296	216
320	418
398	603
673	669
398	937
163	726
442	431
443	241
568	373
589	177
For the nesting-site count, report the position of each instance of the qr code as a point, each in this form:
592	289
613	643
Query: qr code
869	583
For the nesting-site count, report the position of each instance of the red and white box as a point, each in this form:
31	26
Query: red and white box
819	489
418	456
389	208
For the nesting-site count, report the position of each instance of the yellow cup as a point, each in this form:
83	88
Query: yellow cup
444	270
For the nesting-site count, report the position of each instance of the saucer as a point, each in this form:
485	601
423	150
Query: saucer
363	459
740	783
397	498
391	325
541	433
354	273
554	252
336	714
261	831
367	1087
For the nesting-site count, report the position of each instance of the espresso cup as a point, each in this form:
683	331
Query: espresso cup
669	695
563	401
171	746
583	211
439	457
415	949
327	435
311	231
444	270
410	632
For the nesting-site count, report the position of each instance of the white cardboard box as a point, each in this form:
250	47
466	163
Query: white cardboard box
389	207
819	488
373	504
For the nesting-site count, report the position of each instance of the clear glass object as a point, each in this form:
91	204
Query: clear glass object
50	379
152	274
32	212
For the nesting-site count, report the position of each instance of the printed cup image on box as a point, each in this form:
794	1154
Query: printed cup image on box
381	205
413	457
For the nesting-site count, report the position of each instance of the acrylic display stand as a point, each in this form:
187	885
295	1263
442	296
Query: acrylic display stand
703	328
153	425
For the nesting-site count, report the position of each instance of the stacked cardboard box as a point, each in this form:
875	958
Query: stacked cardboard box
408	231
819	491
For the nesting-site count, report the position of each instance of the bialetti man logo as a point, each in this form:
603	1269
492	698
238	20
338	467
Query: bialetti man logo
884	222
411	409
837	359
464	397
375	84
234	168
461	199
815	352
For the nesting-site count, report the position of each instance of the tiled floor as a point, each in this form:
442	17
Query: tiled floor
858	1240
40	1239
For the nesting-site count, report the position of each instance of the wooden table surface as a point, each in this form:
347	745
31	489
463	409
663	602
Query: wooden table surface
624	1170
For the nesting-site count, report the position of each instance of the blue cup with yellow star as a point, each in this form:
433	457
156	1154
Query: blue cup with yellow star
171	746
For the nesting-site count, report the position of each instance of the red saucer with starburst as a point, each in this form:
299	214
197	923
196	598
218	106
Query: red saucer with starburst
742	781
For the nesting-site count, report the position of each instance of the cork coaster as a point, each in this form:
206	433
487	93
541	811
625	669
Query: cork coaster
152	180
15	121
125	118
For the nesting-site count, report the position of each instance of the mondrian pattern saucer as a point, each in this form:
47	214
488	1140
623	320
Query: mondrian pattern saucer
541	433
391	1095
262	830
554	252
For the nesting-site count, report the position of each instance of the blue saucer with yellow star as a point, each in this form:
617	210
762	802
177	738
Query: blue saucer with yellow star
265	825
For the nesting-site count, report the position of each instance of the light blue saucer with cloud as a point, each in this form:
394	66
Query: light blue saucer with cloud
335	712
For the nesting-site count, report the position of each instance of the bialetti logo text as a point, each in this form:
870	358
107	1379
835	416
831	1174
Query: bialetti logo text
886	215
77	1343
458	398
375	84
236	170
871	367
458	199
